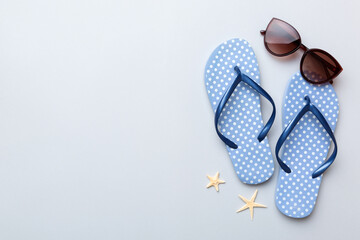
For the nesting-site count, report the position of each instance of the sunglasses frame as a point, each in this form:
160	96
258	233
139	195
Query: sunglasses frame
306	52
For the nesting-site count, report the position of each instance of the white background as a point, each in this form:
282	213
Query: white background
106	131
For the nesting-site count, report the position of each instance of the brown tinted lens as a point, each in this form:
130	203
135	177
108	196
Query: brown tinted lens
281	38
319	66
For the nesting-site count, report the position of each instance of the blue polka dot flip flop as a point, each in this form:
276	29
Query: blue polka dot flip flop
309	118
232	81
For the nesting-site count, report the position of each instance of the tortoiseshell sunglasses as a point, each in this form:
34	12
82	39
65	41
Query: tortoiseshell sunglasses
316	66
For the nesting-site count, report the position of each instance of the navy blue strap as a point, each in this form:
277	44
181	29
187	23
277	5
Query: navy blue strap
308	107
242	77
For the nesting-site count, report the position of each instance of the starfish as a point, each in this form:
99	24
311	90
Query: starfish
215	181
250	204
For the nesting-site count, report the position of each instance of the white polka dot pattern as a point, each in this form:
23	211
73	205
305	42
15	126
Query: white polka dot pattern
307	146
240	120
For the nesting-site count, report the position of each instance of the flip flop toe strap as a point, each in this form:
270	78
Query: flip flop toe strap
308	107
243	78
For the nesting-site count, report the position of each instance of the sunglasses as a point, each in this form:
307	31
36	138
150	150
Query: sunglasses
316	66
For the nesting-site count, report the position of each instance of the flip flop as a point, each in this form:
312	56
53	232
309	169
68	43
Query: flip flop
309	118
232	81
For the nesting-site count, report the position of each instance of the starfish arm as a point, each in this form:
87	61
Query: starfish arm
210	178
259	205
254	196
217	175
244	199
251	212
221	181
243	208
209	185
216	187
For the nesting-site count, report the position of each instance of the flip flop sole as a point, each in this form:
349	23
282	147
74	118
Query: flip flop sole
241	119
306	147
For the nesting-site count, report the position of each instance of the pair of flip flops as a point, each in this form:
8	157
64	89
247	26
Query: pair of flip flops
309	117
